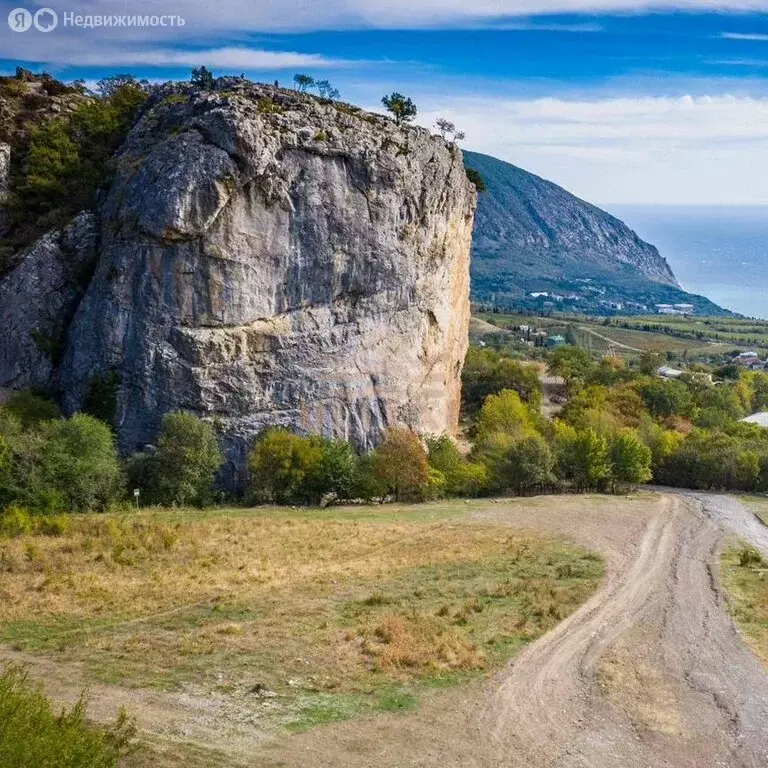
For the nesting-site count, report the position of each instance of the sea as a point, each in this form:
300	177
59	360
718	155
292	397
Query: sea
718	252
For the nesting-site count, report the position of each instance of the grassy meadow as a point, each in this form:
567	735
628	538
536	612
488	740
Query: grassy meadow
745	577
307	615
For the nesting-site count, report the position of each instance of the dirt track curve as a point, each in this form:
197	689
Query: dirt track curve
649	673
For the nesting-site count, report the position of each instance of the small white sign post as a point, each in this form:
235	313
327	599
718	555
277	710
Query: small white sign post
136	493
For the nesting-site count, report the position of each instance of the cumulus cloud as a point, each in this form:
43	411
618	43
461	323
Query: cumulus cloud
708	149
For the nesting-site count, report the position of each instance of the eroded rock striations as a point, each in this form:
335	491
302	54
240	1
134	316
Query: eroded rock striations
38	300
266	258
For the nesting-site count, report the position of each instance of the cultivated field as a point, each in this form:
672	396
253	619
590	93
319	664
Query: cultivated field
231	627
664	336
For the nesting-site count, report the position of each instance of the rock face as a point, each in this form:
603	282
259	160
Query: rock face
5	169
269	259
38	299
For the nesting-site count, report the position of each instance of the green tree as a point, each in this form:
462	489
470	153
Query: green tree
462	477
486	373
582	457
333	473
113	86
572	363
326	90
504	412
401	465
303	82
70	158
650	362
665	398
203	78
79	461
31	409
281	463
630	459
476	178
529	464
403	109
186	461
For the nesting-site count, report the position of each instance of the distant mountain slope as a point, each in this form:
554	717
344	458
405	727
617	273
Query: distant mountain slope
532	236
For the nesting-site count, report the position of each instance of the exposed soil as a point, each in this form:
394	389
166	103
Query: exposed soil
649	672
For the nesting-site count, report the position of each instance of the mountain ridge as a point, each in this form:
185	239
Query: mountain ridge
535	243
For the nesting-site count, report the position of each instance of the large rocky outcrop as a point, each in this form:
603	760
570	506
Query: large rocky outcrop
38	299
269	259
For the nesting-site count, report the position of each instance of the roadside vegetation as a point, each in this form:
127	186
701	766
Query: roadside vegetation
33	735
745	577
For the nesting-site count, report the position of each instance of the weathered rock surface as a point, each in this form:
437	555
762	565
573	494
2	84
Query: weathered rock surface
5	169
269	259
38	299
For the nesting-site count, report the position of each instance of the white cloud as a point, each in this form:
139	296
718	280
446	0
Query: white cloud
708	150
203	19
743	36
231	57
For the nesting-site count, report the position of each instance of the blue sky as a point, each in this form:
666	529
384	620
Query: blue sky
621	101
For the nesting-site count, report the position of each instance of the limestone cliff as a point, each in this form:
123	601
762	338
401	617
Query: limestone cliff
38	300
267	258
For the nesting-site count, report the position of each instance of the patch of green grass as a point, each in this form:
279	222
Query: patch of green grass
745	578
383	513
758	505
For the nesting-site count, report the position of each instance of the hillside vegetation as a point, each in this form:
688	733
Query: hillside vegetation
532	236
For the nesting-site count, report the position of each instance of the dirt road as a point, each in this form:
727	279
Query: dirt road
650	672
610	341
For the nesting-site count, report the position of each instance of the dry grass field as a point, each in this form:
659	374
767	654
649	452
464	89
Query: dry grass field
297	617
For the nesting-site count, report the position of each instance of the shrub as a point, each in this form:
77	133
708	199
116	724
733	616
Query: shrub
400	464
268	106
15	521
280	464
749	556
32	735
31	409
187	459
475	177
79	461
52	525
